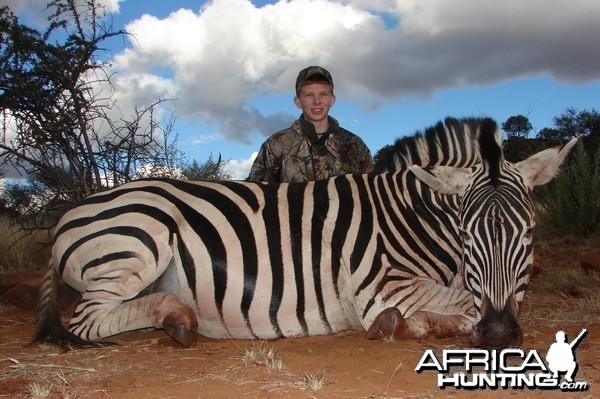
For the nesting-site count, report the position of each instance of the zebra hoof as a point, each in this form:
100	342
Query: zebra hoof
387	324
181	332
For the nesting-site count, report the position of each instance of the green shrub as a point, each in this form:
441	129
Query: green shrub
571	203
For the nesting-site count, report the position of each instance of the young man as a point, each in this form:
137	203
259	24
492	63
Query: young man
315	147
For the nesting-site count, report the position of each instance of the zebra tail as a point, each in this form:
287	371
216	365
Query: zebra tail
49	328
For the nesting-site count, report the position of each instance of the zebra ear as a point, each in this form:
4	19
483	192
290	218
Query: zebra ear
444	179
540	168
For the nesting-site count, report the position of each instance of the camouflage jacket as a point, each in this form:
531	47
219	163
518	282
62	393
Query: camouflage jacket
299	154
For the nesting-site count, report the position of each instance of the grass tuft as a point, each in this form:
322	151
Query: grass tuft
262	354
315	381
37	390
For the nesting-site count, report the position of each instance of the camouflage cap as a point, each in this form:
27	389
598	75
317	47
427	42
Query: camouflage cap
311	71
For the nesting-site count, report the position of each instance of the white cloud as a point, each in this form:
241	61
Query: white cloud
206	138
239	169
229	52
38	10
142	89
112	6
218	69
19	6
436	44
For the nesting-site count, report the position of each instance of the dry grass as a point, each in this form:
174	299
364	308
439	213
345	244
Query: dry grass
20	251
261	353
39	390
48	380
315	381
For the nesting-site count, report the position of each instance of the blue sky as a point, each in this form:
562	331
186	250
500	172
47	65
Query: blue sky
398	65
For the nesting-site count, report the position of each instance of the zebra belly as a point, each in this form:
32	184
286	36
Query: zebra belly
263	323
262	328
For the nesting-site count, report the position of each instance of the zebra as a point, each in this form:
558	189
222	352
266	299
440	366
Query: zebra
440	243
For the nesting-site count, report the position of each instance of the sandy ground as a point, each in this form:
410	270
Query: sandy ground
148	364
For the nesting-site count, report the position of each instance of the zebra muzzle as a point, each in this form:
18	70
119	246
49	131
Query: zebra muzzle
497	329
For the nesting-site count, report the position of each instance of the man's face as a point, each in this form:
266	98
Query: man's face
315	100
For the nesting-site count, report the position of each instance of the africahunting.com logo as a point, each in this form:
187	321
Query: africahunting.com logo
508	368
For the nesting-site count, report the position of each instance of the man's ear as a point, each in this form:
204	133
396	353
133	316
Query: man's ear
332	99
297	102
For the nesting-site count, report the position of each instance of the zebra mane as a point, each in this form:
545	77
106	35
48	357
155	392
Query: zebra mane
453	142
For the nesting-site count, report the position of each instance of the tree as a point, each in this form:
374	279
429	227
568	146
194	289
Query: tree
568	124
55	99
572	123
210	170
549	133
517	126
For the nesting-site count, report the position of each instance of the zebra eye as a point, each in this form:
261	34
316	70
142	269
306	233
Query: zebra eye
529	232
528	236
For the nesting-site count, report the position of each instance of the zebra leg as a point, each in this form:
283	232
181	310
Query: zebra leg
437	310
391	323
178	320
118	298
423	324
96	318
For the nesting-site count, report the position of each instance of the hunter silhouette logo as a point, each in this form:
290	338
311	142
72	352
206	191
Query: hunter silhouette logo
508	368
560	356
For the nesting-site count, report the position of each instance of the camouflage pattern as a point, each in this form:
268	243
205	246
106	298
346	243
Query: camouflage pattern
299	154
307	73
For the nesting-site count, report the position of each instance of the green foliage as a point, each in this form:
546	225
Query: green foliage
518	148
518	126
18	197
549	133
209	170
571	203
381	157
572	123
25	201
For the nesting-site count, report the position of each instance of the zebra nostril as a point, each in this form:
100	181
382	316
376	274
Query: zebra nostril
497	328
494	333
476	337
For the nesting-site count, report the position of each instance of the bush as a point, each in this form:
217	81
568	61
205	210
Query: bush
571	203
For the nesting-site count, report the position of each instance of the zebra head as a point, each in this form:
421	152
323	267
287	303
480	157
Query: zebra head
496	221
